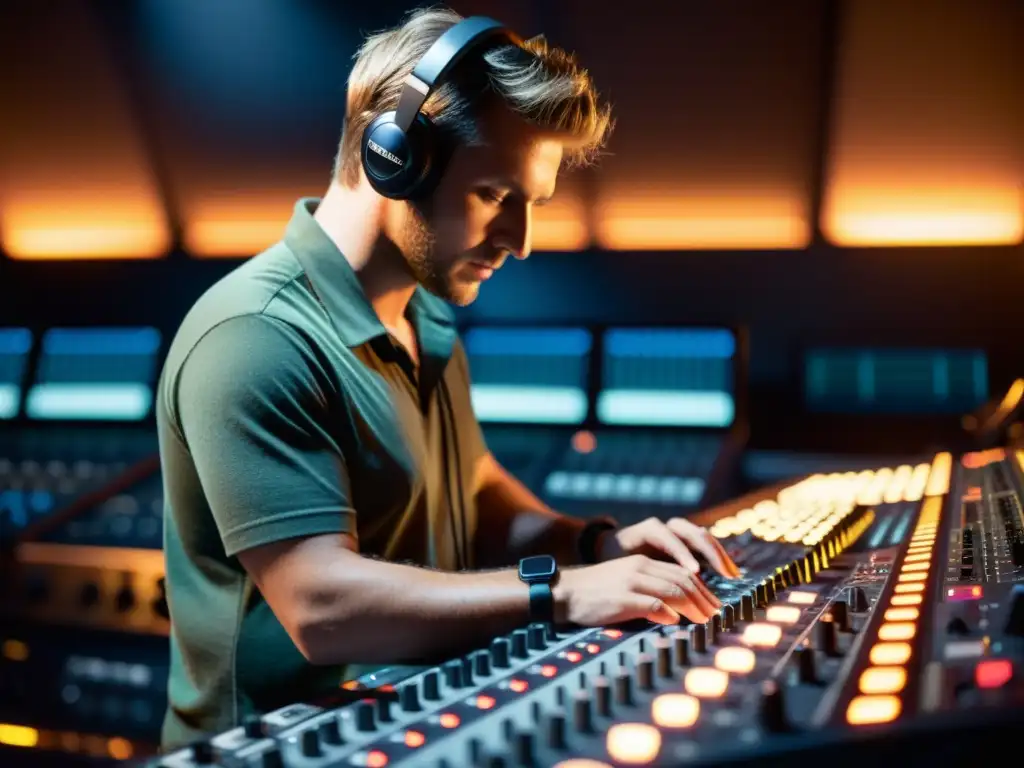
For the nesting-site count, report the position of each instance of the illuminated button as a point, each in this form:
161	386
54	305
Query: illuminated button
904	589
376	759
706	682
735	659
675	710
449	720
485	702
414	739
883	680
18	735
917	558
582	762
993	673
911	567
901	614
906	577
762	635
784	614
900	630
802	598
871	710
633	743
905	600
890	653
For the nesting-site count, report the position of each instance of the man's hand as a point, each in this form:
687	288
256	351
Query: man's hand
673	539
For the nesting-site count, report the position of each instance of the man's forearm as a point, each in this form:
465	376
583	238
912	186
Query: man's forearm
513	523
371	611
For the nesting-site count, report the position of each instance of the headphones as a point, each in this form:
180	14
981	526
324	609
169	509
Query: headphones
401	152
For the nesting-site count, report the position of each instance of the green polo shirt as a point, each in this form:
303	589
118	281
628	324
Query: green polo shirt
285	409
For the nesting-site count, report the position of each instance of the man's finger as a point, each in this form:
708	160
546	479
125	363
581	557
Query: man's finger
701	540
664	540
692	583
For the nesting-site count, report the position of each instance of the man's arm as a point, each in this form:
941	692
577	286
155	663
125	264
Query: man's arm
513	523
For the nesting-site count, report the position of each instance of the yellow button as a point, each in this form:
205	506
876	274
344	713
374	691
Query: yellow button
735	659
633	743
675	710
871	710
706	682
883	680
890	653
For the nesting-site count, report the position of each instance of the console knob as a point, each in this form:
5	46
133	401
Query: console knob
769	589
681	647
252	725
365	720
746	608
453	673
773	708
519	645
272	758
124	600
431	686
330	731
203	752
957	626
499	652
795	573
728	616
537	637
522	749
761	595
90	594
807	666
409	698
623	687
711	630
826	631
310	743
841	616
859	600
1015	619
481	663
645	672
554	729
384	710
698	638
663	653
603	696
779	582
582	712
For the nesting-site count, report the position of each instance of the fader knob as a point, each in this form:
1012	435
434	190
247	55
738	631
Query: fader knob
554	731
760	595
499	652
807	666
453	673
623	687
795	574
663	654
431	686
203	753
746	608
859	600
826	636
272	758
698	638
773	708
711	630
582	712
519	644
522	750
841	616
603	696
645	672
365	720
537	637
957	626
481	663
310	743
681	648
769	590
409	698
252	726
330	731
728	616
384	714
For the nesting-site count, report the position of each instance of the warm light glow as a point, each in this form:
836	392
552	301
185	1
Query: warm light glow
903	589
905	600
883	680
783	614
414	739
762	635
14	650
968	215
993	673
236	227
883	654
901	630
376	759
18	735
905	577
912	567
872	710
675	710
84	224
449	720
582	762
633	743
629	219
938	480
561	225
706	682
737	660
802	598
901	614
120	749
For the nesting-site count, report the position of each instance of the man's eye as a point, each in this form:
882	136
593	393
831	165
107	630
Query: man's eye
492	195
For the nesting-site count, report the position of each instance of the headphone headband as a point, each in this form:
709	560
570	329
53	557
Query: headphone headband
444	54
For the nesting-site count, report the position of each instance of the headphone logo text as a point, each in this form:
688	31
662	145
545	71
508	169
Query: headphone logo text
375	147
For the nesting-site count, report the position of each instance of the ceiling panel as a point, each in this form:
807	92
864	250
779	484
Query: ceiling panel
75	179
716	106
927	141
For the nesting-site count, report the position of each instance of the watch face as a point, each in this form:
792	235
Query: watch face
541	566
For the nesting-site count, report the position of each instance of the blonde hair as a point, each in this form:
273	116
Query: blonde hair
544	85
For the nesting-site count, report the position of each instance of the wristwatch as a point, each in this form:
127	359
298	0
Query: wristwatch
540	572
589	535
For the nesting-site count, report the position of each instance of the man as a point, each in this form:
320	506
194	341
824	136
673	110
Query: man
330	501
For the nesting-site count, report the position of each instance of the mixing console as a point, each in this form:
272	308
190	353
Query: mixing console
865	617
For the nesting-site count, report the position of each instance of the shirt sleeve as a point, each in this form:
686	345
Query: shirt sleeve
253	406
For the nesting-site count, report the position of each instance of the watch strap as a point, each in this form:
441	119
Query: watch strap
542	602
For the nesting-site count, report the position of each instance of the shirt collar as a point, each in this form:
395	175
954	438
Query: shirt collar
341	293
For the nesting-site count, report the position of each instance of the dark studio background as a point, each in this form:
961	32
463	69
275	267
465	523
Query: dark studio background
822	174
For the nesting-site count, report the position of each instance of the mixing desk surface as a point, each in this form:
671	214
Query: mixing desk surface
880	616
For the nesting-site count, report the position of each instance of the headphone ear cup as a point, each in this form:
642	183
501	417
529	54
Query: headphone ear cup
395	162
